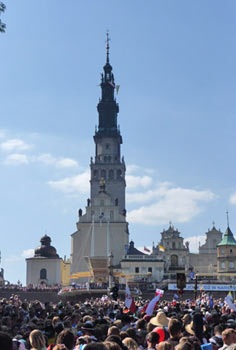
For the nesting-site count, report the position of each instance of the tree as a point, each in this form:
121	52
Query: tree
2	25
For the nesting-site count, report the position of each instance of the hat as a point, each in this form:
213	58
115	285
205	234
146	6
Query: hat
160	320
87	326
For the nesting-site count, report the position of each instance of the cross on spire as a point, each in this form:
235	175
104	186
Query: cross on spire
108	46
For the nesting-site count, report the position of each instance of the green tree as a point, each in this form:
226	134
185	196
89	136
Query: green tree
2	25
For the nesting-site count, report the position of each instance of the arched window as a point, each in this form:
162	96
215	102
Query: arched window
118	174
231	265
111	174
174	260
43	274
103	174
95	174
111	215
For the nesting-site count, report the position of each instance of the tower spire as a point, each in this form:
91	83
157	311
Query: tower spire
107	46
227	216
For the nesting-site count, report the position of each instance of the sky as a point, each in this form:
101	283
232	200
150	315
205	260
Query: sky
175	62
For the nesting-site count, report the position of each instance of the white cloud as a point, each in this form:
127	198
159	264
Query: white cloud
14	145
134	168
194	242
17	159
138	181
28	253
48	159
175	204
74	184
232	198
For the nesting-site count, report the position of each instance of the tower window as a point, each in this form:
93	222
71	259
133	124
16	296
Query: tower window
119	172
43	274
136	269
111	174
103	174
107	146
95	174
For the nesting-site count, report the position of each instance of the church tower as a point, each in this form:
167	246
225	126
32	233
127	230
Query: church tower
103	230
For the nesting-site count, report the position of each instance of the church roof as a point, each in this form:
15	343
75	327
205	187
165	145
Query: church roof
133	251
46	250
228	238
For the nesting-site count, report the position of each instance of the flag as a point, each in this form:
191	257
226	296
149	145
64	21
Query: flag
151	306
129	301
161	248
229	302
146	249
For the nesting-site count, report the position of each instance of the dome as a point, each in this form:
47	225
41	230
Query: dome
46	250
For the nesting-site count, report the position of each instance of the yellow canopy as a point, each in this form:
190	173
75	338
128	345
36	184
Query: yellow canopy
81	274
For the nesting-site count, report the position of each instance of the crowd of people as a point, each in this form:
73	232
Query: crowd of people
107	324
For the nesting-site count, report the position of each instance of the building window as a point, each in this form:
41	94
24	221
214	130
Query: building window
136	269
43	274
231	251
223	265
95	174
103	174
118	174
231	265
111	215
173	245
174	260
222	251
111	174
150	269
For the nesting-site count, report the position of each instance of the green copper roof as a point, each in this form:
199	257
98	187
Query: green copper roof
228	238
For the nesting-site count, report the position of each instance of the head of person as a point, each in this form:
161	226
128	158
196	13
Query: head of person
113	330
175	328
130	343
152	339
67	338
5	341
229	336
37	339
164	345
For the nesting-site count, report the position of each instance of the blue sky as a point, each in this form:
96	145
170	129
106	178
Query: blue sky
175	64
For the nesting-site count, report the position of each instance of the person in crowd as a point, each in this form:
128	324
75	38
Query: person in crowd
152	340
228	338
5	341
37	340
67	338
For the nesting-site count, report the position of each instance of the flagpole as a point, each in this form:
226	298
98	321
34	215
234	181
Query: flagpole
92	238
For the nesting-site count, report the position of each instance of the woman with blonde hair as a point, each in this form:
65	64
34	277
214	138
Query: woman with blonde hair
130	343
37	340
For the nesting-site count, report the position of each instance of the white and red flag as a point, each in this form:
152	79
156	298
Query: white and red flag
129	300
152	304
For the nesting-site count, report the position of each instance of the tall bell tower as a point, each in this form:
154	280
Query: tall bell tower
108	164
103	229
